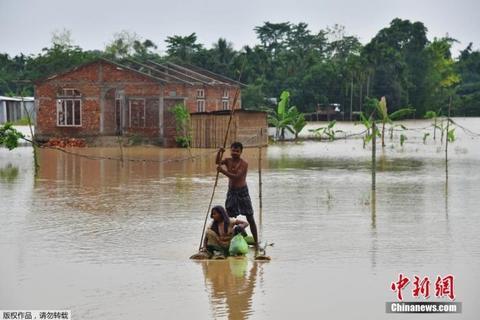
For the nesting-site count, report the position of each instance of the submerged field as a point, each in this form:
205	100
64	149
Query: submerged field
112	241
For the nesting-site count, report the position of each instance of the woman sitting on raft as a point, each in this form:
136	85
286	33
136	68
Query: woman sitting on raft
221	231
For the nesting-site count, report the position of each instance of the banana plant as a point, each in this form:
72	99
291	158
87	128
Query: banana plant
393	127
440	125
286	118
280	119
434	115
450	132
390	118
297	121
328	131
368	124
445	130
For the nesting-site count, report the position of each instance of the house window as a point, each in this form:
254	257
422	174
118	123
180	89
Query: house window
225	105
225	94
200	105
200	93
70	92
69	108
136	113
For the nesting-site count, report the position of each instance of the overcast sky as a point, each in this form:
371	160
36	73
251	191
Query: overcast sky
26	25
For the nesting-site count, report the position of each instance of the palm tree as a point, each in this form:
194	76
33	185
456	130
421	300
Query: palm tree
183	47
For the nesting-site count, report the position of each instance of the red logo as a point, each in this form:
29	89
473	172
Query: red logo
444	287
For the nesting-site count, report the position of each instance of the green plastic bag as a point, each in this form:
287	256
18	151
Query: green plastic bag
250	240
238	246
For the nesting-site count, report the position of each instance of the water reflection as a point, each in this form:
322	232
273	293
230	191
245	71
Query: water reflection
446	198
373	204
8	173
230	286
374	247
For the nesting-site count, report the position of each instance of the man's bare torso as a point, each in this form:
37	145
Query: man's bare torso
236	166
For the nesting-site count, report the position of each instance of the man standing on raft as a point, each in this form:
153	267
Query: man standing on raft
238	199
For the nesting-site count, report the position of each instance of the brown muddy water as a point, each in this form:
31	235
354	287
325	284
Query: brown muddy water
112	241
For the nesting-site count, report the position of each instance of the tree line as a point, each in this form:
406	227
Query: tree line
317	68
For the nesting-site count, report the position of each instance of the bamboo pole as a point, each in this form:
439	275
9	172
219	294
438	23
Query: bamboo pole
442	131
373	204
373	197
351	98
374	151
263	254
260	205
446	138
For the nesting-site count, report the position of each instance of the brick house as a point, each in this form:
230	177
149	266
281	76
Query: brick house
105	98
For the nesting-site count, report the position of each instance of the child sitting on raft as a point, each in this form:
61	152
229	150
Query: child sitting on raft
221	231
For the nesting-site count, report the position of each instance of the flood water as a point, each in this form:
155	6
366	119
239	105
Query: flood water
111	241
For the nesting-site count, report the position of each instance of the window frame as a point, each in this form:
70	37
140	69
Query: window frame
71	95
227	103
130	112
200	93
62	107
74	93
203	103
226	93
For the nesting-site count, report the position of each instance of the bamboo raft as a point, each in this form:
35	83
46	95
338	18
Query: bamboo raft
252	254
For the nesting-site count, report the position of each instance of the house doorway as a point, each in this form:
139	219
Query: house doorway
118	116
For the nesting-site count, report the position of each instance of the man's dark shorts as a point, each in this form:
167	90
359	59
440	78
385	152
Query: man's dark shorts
238	202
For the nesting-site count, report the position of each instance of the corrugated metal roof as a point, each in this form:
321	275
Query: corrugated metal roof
163	72
4	98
